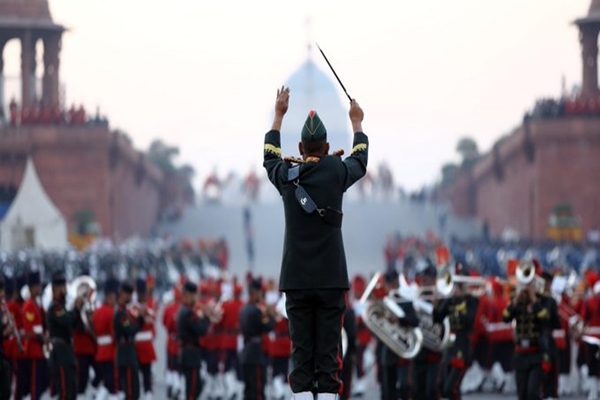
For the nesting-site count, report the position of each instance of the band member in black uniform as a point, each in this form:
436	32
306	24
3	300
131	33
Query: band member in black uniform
461	309
60	329
350	355
254	323
5	371
192	324
426	365
532	317
314	275
395	371
126	325
550	366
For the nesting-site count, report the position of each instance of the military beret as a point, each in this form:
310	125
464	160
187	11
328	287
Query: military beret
34	278
140	286
58	278
313	129
190	287
127	287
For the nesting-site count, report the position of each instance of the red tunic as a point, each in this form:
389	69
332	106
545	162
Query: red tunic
145	337
34	330
83	343
590	313
479	326
498	331
281	344
11	349
565	312
230	324
102	322
170	324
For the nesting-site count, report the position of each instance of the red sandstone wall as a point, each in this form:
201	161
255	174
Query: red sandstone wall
565	168
86	168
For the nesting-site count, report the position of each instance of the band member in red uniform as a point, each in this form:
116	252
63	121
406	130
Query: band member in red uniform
363	336
170	323
591	317
550	389
105	339
33	325
85	350
144	338
499	335
11	348
279	353
23	365
563	342
230	325
209	293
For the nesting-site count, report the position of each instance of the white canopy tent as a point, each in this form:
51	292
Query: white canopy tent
33	221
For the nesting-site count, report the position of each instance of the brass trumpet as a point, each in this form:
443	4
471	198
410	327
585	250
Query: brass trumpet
446	281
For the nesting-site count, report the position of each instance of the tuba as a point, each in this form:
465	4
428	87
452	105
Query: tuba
403	341
436	336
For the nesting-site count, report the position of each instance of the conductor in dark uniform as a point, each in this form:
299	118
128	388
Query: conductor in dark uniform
314	275
254	323
126	325
61	324
191	326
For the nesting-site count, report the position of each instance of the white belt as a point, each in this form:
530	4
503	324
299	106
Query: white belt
592	330
497	326
558	334
145	336
104	340
38	329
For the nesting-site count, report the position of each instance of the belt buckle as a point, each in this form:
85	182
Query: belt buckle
525	343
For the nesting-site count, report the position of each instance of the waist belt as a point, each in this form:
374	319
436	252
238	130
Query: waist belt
497	326
38	329
104	340
558	334
145	336
592	330
253	339
526	350
56	341
126	340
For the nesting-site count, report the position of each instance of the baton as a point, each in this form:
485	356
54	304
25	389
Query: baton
333	70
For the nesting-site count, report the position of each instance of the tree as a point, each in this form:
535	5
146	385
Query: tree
449	173
162	154
468	150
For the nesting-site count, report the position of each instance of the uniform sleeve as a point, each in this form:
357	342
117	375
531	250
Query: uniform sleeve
540	311
355	166
472	308
267	323
125	325
411	318
509	313
198	325
273	163
441	311
350	328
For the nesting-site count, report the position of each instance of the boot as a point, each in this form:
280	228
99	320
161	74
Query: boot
102	393
303	396
593	385
360	387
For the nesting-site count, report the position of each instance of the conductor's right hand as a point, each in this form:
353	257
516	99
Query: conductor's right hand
282	102
356	113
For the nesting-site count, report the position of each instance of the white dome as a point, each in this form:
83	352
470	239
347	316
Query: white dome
312	89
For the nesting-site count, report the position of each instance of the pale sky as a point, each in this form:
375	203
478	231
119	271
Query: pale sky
202	74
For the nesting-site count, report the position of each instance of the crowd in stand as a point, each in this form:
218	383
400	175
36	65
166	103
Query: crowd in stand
566	107
41	114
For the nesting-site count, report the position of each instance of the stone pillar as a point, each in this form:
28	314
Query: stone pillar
27	69
51	67
588	36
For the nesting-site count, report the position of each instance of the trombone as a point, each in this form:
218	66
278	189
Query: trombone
446	283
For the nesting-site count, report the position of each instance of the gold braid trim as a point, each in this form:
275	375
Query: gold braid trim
359	147
296	160
269	148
